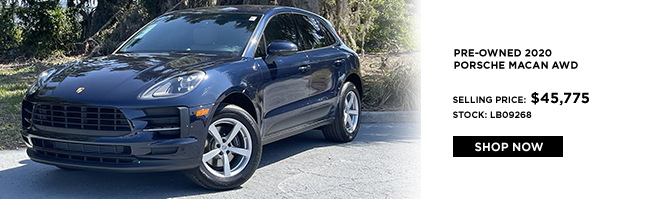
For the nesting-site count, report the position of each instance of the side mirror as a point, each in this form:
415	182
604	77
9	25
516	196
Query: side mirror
279	48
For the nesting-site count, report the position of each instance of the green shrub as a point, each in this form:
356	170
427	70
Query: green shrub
392	27
10	33
391	84
49	29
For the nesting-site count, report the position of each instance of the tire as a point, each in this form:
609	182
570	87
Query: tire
212	174
346	124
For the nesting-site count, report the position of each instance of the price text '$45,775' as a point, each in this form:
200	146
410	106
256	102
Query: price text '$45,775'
555	98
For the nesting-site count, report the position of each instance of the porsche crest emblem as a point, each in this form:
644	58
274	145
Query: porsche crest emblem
80	89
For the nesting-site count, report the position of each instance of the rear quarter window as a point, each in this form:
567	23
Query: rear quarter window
313	32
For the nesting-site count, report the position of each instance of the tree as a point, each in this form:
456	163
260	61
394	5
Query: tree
10	32
84	9
392	29
48	29
366	20
39	28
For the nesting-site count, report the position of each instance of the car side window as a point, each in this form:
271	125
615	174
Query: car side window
314	34
260	51
328	34
280	27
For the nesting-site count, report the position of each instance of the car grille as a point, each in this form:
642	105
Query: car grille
80	117
83	152
84	158
83	148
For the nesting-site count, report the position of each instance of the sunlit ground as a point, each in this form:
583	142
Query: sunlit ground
382	162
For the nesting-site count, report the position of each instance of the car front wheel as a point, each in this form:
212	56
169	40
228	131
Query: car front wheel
232	150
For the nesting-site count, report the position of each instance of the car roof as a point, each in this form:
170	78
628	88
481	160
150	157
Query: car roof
248	9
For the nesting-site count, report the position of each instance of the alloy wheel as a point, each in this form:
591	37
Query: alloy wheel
228	147
351	112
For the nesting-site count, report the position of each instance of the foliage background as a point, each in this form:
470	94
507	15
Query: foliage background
38	29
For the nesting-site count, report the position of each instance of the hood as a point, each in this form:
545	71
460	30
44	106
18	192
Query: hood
120	76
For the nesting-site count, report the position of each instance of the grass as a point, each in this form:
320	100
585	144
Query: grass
15	78
391	81
13	83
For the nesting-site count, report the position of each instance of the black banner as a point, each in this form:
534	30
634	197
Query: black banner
508	146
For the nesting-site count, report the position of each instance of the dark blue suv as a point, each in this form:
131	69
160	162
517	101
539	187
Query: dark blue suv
199	90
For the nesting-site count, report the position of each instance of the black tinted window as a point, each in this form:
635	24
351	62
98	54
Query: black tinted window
280	27
195	32
314	34
328	34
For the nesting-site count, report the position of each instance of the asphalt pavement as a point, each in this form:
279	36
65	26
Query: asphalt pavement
382	162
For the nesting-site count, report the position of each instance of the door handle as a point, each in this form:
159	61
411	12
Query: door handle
339	62
304	68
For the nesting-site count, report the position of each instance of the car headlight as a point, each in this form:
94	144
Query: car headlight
39	81
174	86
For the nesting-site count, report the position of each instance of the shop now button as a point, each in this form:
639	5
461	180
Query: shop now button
508	146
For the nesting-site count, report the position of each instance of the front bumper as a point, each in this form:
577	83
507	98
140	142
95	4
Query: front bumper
143	149
178	154
139	166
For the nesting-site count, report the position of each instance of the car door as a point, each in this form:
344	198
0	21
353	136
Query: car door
286	93
326	64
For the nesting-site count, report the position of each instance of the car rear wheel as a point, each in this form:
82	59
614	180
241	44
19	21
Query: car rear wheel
346	125
232	150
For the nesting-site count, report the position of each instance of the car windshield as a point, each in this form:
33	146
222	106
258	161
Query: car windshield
191	32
